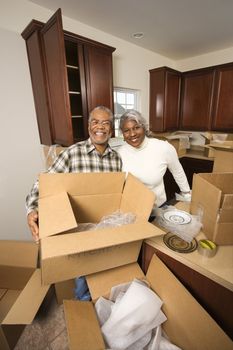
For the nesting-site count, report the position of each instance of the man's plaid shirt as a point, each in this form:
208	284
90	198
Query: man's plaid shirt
81	157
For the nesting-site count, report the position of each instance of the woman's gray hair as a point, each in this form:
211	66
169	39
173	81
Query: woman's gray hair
136	117
102	108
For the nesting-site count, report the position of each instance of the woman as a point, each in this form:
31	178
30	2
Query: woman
149	158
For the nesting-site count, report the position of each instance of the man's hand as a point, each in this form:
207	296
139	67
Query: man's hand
33	224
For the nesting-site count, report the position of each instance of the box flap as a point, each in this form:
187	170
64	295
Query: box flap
101	283
7	301
226	215
18	253
80	242
28	302
2	292
188	325
137	198
205	195
56	215
13	277
227	201
81	183
87	335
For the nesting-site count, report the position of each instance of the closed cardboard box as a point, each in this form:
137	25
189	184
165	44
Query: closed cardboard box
67	200
21	293
188	325
213	194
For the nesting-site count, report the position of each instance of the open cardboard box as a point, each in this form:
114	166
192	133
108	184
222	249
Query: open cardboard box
223	159
67	200
188	325
213	193
179	139
21	293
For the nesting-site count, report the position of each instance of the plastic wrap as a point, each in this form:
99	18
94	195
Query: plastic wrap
185	231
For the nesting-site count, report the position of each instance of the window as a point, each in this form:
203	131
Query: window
124	99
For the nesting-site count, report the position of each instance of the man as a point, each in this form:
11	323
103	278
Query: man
92	155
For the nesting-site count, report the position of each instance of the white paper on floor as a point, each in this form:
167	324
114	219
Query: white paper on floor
134	319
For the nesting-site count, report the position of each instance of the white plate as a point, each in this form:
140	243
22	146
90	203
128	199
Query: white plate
175	216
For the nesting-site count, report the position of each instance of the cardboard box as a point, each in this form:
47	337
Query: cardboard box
69	199
21	293
213	193
180	140
223	159
51	153
188	325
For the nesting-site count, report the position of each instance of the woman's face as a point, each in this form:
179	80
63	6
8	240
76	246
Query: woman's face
133	133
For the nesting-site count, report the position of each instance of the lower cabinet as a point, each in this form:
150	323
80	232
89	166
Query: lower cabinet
214	298
190	166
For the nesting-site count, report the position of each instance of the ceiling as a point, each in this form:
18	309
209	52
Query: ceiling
176	29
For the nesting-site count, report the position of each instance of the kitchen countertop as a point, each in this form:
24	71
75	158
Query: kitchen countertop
218	268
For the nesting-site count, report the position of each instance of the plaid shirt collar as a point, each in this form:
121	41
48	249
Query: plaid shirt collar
90	147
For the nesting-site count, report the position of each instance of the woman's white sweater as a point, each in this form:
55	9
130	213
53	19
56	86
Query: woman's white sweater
149	163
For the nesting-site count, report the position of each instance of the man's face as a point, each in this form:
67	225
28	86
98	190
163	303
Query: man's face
100	127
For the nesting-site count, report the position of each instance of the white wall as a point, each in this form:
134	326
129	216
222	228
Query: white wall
21	154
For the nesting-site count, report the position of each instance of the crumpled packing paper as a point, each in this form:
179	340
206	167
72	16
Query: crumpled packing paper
133	317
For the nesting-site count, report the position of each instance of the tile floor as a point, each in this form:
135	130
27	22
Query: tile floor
48	330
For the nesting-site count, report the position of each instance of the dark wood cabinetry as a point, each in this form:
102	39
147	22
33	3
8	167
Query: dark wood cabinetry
204	101
70	76
164	99
223	99
216	299
196	106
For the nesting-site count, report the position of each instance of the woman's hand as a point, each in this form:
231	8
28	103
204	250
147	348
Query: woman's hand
32	219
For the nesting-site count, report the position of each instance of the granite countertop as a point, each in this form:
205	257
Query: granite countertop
218	268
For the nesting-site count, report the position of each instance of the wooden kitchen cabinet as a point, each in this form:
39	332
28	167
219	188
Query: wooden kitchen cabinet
70	76
214	298
164	99
196	99
222	119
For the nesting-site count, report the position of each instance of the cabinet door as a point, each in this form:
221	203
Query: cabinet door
197	91
98	63
223	99
172	100
164	99
39	85
55	61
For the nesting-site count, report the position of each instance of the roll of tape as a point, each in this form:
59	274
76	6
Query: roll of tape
207	248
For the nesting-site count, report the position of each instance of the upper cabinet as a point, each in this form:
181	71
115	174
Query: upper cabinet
223	98
196	106
200	99
164	99
70	76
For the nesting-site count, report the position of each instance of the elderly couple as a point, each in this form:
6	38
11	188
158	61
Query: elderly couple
146	158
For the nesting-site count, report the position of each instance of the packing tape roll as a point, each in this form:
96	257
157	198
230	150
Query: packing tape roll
207	248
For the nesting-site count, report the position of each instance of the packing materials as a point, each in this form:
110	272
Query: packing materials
67	200
188	325
51	153
213	194
135	314
21	293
